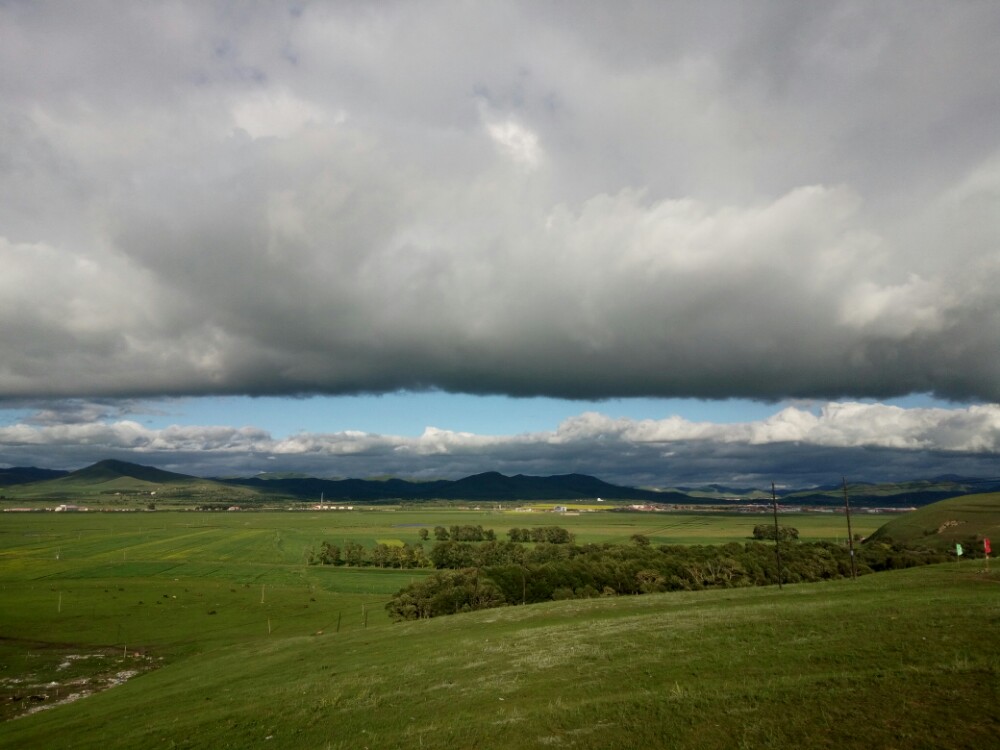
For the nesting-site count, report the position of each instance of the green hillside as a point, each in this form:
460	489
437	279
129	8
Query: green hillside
111	478
893	660
962	519
110	469
230	640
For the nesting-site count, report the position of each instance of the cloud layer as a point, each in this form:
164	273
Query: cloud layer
798	447
669	199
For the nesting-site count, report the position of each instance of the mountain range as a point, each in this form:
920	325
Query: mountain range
112	475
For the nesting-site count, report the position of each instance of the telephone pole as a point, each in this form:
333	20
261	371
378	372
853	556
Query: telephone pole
850	534
777	543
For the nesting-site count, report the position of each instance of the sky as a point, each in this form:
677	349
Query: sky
657	242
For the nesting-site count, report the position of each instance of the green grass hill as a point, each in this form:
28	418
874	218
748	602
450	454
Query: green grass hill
939	526
895	660
106	478
110	470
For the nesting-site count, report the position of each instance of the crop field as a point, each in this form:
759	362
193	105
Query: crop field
92	600
285	537
673	528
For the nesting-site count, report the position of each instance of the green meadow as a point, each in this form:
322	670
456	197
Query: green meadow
216	633
966	520
176	582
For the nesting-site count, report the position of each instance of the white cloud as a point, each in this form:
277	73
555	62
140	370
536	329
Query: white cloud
909	443
836	425
279	114
517	142
898	310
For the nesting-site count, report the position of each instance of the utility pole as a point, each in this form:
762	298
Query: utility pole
777	544
850	534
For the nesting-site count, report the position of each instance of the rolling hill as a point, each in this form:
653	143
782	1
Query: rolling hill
906	494
894	494
112	475
965	520
907	668
487	486
27	474
111	470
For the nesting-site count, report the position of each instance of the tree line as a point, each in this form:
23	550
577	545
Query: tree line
460	534
551	534
551	572
380	556
537	534
458	547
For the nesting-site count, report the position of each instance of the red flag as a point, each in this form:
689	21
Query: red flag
986	545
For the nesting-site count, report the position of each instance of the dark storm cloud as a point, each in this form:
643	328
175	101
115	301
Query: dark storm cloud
78	411
771	200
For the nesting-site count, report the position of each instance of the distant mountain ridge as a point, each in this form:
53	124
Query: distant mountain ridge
27	474
494	486
111	469
895	494
108	478
487	486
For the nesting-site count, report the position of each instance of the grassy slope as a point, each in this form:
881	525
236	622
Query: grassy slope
102	480
89	489
103	471
569	673
977	516
906	660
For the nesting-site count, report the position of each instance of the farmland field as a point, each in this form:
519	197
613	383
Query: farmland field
283	538
110	578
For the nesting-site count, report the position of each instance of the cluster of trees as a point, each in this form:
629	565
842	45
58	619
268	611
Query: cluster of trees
766	531
454	555
575	571
549	534
460	534
444	593
443	555
379	556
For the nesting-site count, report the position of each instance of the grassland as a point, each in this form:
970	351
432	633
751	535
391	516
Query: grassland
962	519
283	538
897	660
254	648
